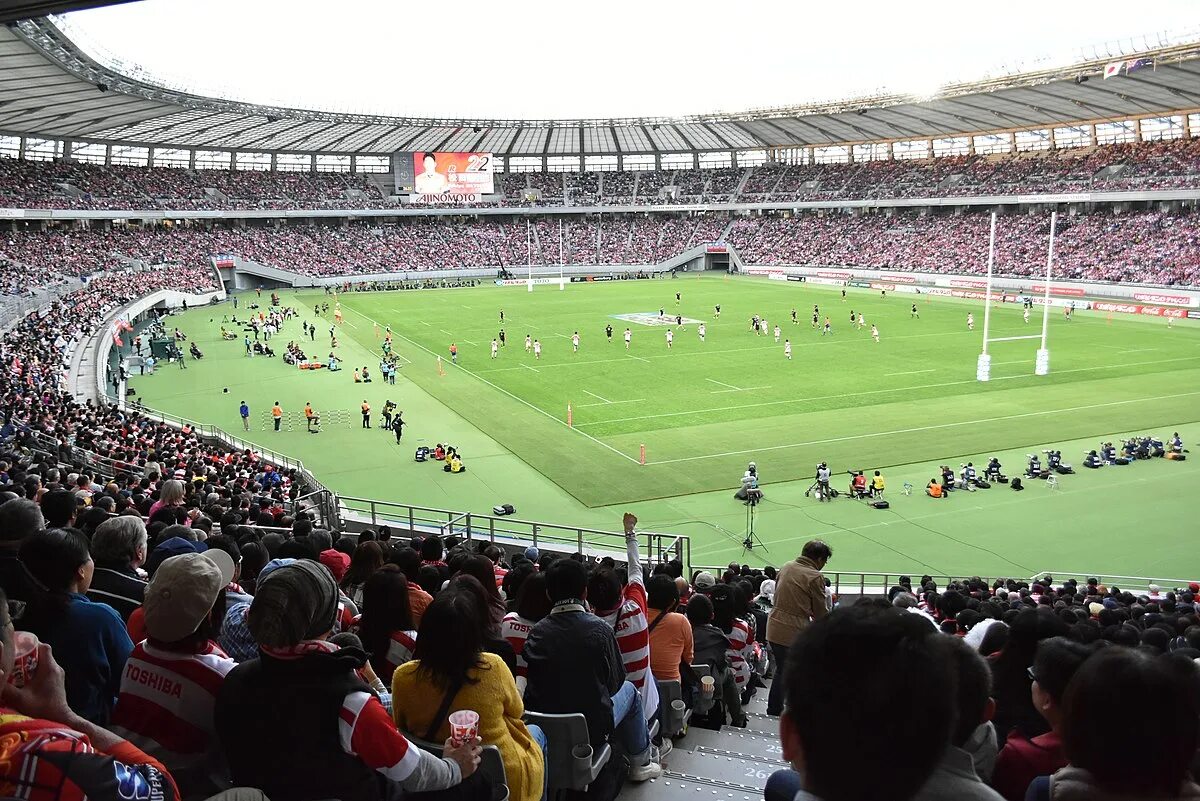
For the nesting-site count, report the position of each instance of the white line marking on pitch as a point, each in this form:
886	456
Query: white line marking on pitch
610	403
564	336
527	367
597	397
447	333
425	323
640	359
925	428
910	372
747	389
469	342
731	387
878	391
1136	350
537	409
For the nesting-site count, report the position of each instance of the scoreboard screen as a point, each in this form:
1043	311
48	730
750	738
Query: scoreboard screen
435	177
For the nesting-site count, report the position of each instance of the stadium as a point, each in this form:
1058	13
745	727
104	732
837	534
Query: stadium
951	333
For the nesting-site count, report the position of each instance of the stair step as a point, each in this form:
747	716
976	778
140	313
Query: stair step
671	787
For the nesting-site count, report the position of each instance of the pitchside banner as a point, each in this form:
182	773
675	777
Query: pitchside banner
429	177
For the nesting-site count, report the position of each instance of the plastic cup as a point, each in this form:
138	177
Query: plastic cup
708	684
464	726
25	660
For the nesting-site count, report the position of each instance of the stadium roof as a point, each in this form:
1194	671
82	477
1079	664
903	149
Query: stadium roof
50	88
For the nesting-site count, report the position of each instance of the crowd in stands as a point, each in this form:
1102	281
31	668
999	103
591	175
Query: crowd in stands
1167	164
1154	247
1147	247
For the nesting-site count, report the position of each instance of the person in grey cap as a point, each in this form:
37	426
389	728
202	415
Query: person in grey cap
299	724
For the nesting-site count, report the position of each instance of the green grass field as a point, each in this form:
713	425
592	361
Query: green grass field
703	409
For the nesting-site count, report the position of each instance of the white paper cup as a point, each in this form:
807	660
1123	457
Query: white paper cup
464	726
708	684
25	660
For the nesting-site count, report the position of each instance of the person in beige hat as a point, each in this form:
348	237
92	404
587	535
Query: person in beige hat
171	681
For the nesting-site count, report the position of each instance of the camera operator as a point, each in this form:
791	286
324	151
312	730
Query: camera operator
858	484
968	475
823	493
1035	466
749	492
948	481
992	471
1176	443
1092	460
1108	453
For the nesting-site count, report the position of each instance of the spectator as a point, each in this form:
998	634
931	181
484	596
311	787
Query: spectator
532	604
48	745
575	666
172	679
857	680
1126	690
385	626
20	518
119	549
1010	672
671	644
89	637
366	560
624	608
972	745
484	571
340	741
711	647
451	672
409	561
493	643
799	600
1022	760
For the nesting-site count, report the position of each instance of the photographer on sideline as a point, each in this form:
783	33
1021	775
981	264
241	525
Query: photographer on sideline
823	492
749	492
992	471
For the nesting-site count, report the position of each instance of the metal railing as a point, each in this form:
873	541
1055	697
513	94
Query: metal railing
652	546
869	583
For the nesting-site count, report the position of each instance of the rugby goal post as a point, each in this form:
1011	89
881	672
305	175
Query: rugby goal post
1041	365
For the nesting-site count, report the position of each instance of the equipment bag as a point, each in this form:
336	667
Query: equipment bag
1121	460
881	504
1176	457
981	484
1016	485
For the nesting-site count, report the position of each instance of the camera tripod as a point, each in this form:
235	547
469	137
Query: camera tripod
751	538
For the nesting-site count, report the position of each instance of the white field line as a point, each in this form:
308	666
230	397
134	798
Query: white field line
874	392
444	331
527	367
597	397
1136	350
911	372
426	324
723	384
611	403
639	358
564	336
745	389
469	342
924	428
478	377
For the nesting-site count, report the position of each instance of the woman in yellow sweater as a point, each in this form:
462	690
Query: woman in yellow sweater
449	657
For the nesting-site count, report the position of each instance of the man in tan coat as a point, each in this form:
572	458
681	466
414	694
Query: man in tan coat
799	599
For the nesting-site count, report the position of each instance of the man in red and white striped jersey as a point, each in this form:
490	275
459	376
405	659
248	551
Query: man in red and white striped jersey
171	681
624	608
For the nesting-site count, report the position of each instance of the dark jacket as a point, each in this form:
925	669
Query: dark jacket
709	647
574	665
278	723
118	586
15	579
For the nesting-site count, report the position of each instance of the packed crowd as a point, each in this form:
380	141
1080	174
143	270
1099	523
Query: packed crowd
1146	247
186	624
80	185
364	249
1168	164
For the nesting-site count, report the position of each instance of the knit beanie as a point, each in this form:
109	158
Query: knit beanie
295	602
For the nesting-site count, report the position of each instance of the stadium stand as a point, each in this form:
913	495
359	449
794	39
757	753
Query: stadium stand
1143	246
1169	164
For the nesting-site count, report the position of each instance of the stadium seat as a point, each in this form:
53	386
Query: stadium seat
491	764
673	713
571	762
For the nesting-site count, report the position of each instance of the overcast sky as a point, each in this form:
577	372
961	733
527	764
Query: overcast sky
547	58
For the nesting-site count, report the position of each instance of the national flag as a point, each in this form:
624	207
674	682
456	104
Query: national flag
1137	64
117	340
1113	68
